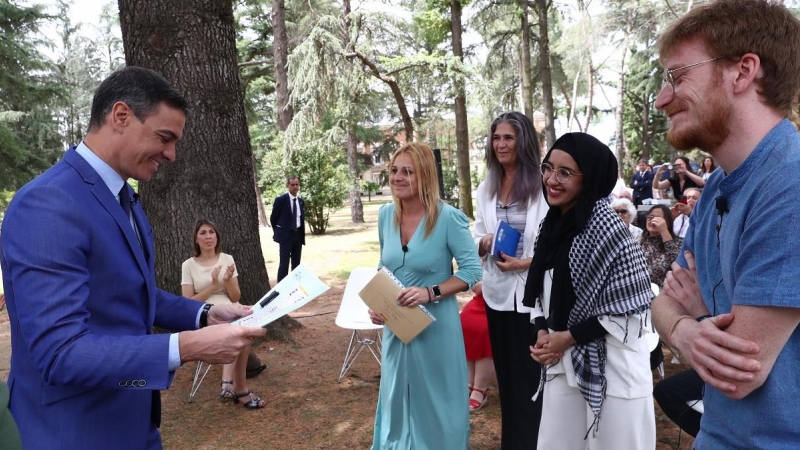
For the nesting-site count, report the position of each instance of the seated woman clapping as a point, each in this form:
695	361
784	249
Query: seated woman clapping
210	276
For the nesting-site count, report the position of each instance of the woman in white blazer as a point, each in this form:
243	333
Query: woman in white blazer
512	192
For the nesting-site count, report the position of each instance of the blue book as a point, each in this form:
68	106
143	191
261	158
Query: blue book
506	240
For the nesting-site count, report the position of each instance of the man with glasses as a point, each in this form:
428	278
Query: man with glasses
731	84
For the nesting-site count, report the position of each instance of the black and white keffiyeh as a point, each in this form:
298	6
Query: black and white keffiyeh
609	274
599	269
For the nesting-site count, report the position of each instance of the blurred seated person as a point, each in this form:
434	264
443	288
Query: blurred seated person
480	365
661	247
660	244
707	168
676	395
627	212
681	211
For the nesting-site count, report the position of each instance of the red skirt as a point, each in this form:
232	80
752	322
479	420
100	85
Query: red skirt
476	330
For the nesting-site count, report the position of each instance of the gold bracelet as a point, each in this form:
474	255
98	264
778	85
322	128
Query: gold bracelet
674	325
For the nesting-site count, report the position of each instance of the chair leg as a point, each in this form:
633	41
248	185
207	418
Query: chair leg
358	341
197	379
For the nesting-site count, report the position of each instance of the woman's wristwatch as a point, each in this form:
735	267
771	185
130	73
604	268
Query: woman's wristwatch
437	293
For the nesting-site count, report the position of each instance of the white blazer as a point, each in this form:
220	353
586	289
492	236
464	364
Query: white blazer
501	289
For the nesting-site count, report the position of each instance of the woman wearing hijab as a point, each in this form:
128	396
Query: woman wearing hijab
589	281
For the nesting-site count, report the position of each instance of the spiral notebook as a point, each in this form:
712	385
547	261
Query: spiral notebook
380	294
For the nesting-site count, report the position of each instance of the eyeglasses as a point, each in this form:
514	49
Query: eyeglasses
670	80
651	217
562	175
622	212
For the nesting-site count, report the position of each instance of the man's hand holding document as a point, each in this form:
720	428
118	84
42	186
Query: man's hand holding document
380	294
296	290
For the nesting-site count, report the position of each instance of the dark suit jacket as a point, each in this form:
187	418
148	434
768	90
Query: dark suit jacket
82	300
281	219
642	185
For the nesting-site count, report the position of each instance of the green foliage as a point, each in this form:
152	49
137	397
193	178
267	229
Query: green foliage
326	184
29	137
477	176
318	161
370	187
644	137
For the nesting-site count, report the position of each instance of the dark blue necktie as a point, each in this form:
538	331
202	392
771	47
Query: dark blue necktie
125	201
294	213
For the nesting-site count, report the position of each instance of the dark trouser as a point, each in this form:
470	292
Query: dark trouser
517	378
673	392
291	248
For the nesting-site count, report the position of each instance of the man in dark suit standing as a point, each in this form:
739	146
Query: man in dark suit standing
78	265
288	221
642	183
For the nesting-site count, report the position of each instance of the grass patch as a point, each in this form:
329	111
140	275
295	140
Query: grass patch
344	246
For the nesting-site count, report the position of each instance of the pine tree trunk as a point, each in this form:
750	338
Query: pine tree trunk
525	61
462	133
546	75
262	215
356	207
280	52
619	135
192	44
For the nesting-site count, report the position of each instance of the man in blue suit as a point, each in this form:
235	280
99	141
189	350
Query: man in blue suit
288	219
77	257
642	183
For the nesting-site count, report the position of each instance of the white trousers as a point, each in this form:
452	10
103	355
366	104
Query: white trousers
625	424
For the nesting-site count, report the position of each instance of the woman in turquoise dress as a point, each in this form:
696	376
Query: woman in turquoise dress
422	404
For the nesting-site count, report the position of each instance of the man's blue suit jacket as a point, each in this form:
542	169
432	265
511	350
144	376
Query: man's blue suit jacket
82	299
281	219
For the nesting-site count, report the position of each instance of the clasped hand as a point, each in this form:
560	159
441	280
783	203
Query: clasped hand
550	347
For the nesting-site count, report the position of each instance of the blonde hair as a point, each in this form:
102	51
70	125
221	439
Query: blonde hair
427	183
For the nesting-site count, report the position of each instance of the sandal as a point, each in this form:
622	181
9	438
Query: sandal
227	391
475	405
254	403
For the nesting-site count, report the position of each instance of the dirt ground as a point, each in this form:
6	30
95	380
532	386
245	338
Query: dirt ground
307	408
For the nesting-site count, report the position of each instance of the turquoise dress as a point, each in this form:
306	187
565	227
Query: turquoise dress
423	400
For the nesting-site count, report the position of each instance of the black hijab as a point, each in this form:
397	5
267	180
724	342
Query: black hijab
599	168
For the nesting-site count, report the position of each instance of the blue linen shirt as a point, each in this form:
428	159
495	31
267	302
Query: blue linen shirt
750	256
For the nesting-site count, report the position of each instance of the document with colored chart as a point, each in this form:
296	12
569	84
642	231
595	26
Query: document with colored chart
296	290
380	294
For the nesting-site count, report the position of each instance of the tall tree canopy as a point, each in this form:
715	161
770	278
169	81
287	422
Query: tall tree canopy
29	88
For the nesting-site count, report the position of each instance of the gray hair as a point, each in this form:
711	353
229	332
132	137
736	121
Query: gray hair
528	179
627	204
